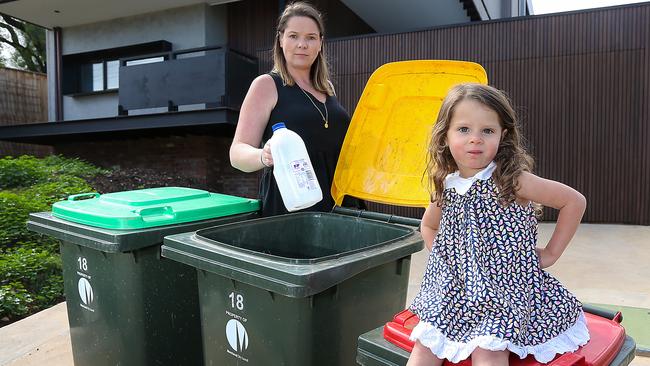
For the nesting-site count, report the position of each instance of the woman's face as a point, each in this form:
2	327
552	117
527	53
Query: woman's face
300	42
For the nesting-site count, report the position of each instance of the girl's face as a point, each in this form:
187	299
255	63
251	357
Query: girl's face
300	42
473	136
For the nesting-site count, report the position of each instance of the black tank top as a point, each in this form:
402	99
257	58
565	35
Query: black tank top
323	144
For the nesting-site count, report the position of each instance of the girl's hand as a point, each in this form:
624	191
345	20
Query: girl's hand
267	158
430	224
546	258
561	197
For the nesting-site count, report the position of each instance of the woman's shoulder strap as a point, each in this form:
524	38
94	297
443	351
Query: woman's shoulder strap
277	79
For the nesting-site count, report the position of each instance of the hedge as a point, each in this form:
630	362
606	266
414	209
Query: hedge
30	265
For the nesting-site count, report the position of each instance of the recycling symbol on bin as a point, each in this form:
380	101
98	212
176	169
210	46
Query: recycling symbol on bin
236	335
85	291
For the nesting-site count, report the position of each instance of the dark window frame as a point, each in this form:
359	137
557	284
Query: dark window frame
74	63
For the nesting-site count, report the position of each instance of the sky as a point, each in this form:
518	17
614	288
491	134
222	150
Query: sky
539	7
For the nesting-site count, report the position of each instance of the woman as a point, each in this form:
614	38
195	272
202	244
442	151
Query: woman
299	93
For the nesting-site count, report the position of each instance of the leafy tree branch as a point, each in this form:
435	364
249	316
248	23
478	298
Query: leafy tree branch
26	40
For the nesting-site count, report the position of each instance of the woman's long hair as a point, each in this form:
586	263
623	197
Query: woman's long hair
319	74
511	158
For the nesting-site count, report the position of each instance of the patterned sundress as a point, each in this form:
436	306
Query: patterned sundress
483	286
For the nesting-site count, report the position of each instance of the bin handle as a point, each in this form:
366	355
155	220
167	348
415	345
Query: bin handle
163	213
388	218
83	196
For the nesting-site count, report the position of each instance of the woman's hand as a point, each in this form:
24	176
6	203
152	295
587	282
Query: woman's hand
267	157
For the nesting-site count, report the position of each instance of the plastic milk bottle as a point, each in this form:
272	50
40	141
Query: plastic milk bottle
292	170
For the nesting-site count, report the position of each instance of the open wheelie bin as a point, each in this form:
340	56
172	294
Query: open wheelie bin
299	289
127	305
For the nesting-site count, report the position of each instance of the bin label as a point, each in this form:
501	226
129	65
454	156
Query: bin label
85	293
83	263
236	301
84	287
237	337
236	333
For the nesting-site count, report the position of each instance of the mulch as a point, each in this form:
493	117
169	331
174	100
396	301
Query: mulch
128	179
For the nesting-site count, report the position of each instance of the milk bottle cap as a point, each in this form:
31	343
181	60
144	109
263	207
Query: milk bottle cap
278	126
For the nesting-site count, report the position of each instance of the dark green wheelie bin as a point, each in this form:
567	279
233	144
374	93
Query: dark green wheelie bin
296	289
127	305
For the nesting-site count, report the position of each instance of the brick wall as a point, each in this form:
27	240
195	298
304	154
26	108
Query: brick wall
204	158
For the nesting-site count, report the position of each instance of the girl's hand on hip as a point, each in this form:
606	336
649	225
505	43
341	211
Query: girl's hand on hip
546	258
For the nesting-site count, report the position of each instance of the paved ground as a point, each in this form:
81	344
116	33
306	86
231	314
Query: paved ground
605	264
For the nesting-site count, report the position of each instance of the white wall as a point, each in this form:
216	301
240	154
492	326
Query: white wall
183	27
186	27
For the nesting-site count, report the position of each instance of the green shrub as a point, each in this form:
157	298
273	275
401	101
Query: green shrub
57	164
14	212
28	170
18	203
21	172
15	301
47	193
30	280
40	242
30	266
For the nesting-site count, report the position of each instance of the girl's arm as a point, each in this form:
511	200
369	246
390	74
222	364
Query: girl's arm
256	108
430	224
561	197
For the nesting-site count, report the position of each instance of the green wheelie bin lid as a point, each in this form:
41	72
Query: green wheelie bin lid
146	208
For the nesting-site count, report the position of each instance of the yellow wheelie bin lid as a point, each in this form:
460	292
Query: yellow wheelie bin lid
383	158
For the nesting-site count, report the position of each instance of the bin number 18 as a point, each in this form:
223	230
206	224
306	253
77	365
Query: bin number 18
236	300
83	263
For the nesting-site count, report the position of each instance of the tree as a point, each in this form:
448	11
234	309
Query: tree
27	41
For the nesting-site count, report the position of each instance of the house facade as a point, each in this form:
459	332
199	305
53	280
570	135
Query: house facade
159	83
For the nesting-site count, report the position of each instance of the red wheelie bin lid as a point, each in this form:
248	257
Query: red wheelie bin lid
607	337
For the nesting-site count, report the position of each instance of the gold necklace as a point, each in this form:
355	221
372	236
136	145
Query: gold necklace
324	117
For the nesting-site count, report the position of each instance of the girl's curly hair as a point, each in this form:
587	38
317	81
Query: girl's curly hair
511	158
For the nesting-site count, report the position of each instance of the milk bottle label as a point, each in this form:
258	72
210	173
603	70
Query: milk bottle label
304	174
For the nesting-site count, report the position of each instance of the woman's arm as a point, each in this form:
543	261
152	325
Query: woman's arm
571	204
430	224
260	100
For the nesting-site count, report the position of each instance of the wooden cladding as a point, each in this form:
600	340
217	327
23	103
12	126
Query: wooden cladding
23	96
23	100
579	80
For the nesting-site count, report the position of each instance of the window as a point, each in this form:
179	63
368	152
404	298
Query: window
112	74
99	71
99	76
143	61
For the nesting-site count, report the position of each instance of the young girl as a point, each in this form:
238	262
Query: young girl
484	292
